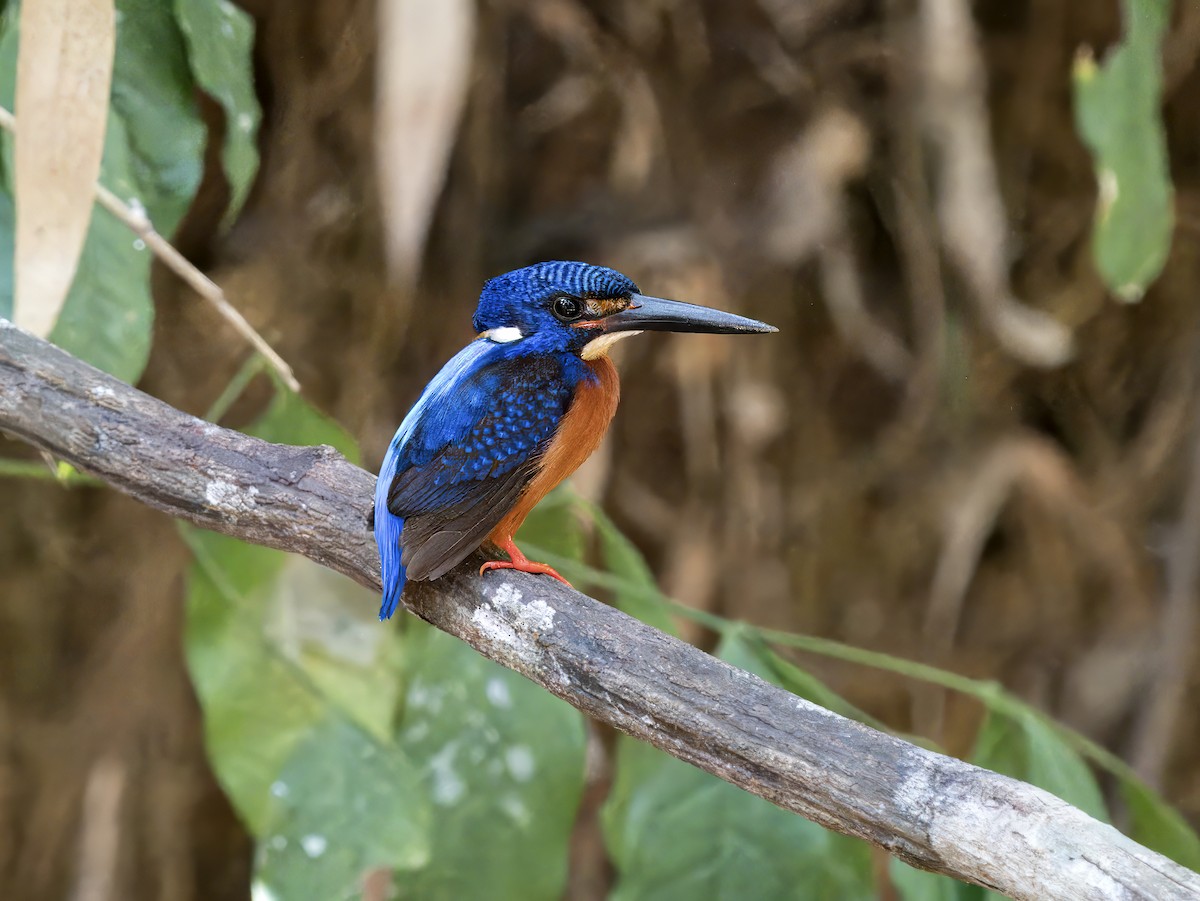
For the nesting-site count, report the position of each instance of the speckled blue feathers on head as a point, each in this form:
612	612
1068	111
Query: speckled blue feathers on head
509	299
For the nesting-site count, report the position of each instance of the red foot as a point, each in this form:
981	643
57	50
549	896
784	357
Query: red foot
518	561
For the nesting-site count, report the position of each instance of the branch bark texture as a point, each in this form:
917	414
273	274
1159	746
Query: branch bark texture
934	812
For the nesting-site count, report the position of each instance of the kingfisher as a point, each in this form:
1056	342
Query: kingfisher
512	414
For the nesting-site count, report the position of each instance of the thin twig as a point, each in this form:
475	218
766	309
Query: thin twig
139	223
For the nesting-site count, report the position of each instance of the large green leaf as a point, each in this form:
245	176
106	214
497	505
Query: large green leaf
108	315
555	527
154	96
1023	745
220	45
1118	113
256	706
278	646
152	160
503	763
919	885
676	832
637	593
1157	825
343	805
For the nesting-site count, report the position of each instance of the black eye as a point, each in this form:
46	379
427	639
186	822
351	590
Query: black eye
567	308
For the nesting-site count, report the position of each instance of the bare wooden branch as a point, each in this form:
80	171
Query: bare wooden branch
932	811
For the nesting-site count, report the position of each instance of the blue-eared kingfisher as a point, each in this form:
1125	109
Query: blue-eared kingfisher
512	414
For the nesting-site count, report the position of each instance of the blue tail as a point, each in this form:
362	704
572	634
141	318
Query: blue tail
387	535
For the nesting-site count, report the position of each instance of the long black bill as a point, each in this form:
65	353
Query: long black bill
653	314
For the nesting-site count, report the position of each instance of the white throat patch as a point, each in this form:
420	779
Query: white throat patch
598	347
505	335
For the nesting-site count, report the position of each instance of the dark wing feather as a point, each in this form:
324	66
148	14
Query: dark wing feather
457	489
436	542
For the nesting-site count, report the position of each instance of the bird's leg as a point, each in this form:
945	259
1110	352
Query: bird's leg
518	561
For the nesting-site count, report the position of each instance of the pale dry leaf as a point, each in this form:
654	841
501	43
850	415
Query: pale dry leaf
64	71
424	68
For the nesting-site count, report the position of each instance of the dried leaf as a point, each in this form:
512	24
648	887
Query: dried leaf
424	64
64	71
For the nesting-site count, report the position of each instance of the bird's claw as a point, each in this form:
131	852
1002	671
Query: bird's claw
525	566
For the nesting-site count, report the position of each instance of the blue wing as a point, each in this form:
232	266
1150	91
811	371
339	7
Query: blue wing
461	458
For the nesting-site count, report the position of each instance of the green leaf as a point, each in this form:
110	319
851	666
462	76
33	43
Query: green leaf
152	160
503	762
1118	113
637	593
1027	747
804	684
277	644
154	96
343	805
919	885
1157	825
555	526
108	315
220	45
255	707
291	420
915	884
676	832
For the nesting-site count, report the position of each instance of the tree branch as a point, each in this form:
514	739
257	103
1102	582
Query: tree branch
932	811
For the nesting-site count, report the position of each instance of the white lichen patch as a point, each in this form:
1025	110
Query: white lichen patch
537	615
507	621
229	498
494	625
99	391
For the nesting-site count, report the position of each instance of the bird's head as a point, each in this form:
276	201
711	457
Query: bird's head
585	309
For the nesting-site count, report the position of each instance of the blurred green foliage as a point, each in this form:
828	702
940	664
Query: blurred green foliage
676	832
153	159
348	746
1118	113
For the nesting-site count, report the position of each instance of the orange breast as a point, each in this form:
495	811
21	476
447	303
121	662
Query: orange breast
577	437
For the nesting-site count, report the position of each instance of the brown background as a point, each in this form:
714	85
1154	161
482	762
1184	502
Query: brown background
898	479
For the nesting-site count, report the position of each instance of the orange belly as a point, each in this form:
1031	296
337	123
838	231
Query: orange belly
583	427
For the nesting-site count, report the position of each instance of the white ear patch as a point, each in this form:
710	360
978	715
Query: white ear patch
598	347
505	335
